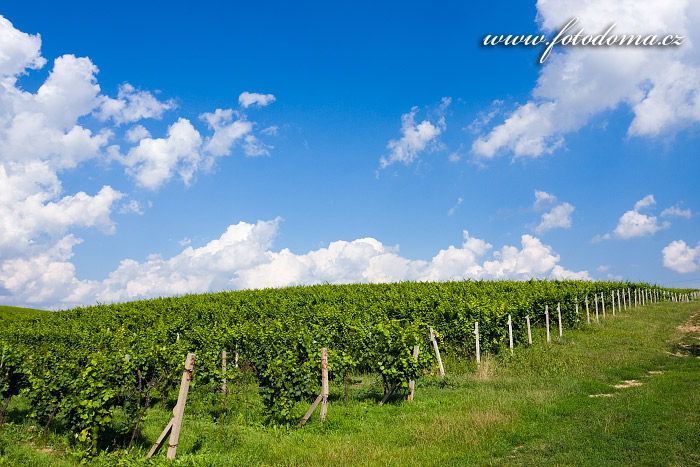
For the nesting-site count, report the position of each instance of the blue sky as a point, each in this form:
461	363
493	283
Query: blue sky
164	149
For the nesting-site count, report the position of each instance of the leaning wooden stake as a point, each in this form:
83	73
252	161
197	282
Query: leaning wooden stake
412	383
588	314
173	427
478	352
546	315
577	320
437	352
510	333
323	397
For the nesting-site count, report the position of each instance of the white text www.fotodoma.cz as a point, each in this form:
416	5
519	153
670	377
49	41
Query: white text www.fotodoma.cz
606	38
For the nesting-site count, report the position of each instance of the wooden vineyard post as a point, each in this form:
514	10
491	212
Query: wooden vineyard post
588	314
529	334
602	301
412	383
324	383
612	294
559	313
577	326
624	300
620	307
478	352
629	297
224	388
437	352
323	397
635	298
595	299
173	428
510	333
546	316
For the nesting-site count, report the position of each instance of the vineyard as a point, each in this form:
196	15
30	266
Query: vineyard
82	369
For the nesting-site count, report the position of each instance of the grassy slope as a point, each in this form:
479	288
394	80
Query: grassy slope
530	409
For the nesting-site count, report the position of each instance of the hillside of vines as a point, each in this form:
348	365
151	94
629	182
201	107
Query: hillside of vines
79	367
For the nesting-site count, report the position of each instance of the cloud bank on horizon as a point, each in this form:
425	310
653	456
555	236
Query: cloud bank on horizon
45	135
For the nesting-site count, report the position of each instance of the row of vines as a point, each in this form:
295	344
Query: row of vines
77	367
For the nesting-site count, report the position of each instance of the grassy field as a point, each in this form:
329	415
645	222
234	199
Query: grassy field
622	392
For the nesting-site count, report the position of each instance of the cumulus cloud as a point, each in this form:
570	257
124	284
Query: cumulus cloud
132	105
679	257
246	99
415	137
47	133
544	200
155	160
559	216
676	211
636	224
19	51
31	207
242	257
227	131
136	133
659	85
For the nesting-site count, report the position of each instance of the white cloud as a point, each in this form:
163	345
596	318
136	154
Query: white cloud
42	279
136	133
271	130
544	200
31	206
242	258
227	131
246	99
679	257
132	207
645	202
659	85
253	147
636	224
454	208
676	211
154	161
19	51
559	215
132	105
415	138
44	135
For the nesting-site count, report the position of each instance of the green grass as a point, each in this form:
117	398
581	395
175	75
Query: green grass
533	408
